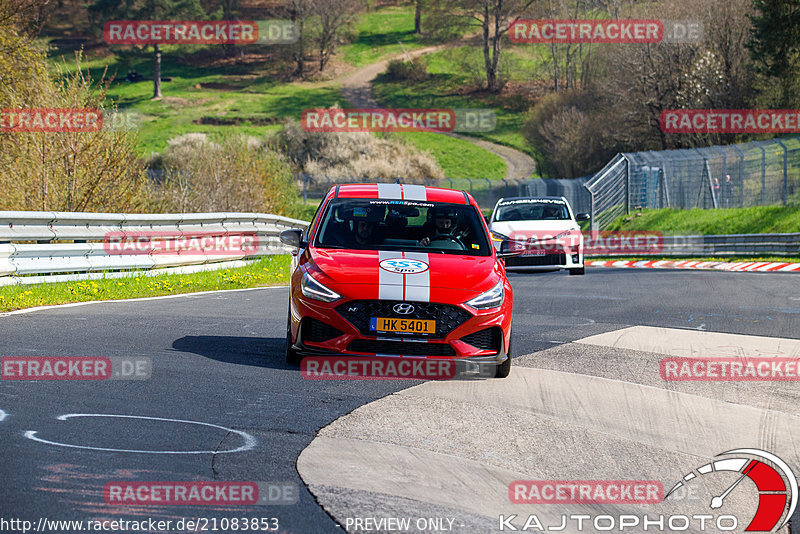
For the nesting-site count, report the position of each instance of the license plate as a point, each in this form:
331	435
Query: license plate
402	326
534	253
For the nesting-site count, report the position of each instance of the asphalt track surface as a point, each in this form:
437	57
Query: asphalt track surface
218	359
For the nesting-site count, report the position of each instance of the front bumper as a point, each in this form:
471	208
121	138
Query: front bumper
318	329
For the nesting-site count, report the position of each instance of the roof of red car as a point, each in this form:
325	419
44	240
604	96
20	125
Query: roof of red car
400	192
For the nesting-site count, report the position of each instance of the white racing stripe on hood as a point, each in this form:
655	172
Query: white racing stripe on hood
390	285
415	192
390	191
418	286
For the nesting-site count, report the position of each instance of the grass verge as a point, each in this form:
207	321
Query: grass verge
755	220
458	158
271	270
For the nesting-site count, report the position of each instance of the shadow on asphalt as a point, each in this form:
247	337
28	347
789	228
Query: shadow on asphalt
255	351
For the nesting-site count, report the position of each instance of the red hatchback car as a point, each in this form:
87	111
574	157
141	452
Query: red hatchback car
399	270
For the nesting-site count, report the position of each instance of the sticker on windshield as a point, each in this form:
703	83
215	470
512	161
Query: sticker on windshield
403	266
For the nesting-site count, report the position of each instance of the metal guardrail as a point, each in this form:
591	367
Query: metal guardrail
722	245
46	243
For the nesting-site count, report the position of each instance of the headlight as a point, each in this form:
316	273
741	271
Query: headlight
314	290
491	299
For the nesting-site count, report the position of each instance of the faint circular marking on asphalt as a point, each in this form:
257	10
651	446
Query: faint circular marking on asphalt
249	441
3	415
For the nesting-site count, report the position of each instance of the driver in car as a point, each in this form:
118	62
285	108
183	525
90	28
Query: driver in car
444	225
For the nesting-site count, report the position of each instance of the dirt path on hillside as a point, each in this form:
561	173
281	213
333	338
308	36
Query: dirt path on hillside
357	89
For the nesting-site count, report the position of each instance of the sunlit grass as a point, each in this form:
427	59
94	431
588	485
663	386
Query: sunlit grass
271	270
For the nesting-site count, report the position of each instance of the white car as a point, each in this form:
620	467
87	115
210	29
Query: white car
544	231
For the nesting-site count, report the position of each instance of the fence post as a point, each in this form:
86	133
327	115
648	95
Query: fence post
627	184
763	173
470	186
785	171
741	175
724	171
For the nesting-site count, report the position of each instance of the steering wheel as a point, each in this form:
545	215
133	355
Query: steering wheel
450	238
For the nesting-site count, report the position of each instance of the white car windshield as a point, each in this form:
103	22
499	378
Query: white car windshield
524	210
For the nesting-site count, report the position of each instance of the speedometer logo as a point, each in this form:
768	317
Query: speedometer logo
776	483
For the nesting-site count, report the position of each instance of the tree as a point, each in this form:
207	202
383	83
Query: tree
418	17
495	17
299	12
333	17
775	43
105	10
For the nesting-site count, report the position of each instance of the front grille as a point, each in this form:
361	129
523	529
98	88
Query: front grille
317	331
536	261
401	348
447	317
486	339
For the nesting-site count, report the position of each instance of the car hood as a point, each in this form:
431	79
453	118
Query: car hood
380	268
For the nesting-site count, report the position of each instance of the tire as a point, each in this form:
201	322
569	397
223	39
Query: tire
504	368
292	357
579	272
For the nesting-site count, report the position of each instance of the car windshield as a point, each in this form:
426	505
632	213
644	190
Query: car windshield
364	224
532	210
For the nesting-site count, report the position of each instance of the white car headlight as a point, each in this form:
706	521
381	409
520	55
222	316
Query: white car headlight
490	299
314	290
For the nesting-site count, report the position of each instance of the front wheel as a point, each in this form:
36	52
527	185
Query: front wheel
579	272
504	368
292	357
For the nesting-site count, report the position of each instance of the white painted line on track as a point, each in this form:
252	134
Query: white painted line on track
75	304
687	343
249	441
3	415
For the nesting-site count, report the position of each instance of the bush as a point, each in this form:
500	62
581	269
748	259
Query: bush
356	156
415	70
236	173
568	131
62	171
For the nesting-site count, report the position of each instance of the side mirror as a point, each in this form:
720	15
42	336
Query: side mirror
293	238
583	217
488	220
